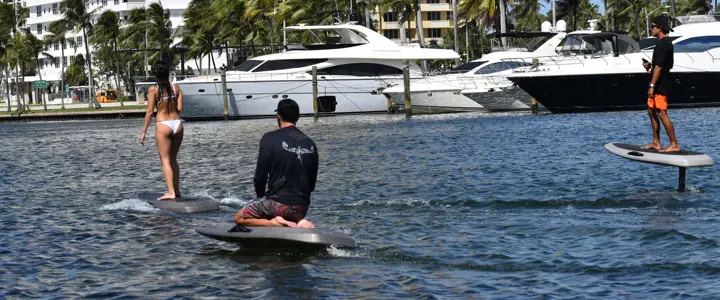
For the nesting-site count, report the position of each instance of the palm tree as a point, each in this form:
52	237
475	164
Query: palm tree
36	47
6	23
108	29
527	15
76	14
194	33
56	34
483	12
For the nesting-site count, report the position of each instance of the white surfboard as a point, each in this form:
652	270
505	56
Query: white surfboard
682	159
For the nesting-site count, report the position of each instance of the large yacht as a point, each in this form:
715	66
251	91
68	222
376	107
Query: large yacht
621	82
484	76
353	64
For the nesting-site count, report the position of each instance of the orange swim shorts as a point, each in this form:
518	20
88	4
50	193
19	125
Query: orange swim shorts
658	102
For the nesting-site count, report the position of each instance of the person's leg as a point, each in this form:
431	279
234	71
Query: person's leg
261	212
164	141
670	129
295	213
174	149
652	113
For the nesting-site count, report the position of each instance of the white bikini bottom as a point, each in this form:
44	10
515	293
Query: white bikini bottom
173	124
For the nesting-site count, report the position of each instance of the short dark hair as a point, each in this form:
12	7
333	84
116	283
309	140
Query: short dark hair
288	110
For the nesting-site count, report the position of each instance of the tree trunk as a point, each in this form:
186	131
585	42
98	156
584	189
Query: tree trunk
455	32
272	37
227	56
7	98
419	27
42	97
503	26
62	74
117	73
88	58
212	57
252	42
403	34
17	88
367	16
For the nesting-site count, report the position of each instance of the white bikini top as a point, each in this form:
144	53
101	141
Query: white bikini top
166	97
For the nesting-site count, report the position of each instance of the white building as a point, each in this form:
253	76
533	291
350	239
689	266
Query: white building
44	12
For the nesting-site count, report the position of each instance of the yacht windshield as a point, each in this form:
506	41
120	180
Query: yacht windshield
248	65
321	39
574	44
467	66
538	41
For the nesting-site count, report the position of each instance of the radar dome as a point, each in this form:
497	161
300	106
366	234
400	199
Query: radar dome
561	26
545	27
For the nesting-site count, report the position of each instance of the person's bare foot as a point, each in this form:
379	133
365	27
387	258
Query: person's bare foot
280	220
671	148
167	196
305	224
653	145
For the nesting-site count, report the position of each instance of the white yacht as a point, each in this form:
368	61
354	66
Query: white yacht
353	63
621	82
481	77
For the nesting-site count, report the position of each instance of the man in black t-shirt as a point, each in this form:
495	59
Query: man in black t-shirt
659	68
289	159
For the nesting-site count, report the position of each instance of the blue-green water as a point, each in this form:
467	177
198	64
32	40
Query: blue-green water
468	206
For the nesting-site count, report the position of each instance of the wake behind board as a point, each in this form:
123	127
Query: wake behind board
181	205
681	159
279	237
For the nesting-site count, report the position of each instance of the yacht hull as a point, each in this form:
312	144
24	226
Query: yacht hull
432	102
253	99
620	91
508	99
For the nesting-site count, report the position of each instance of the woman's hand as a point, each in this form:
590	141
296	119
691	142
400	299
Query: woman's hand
142	138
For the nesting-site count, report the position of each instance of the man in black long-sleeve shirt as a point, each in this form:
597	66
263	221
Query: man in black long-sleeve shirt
289	159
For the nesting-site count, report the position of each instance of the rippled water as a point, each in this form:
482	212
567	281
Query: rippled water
453	206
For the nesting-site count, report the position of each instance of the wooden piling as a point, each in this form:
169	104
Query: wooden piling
534	106
406	83
223	79
315	92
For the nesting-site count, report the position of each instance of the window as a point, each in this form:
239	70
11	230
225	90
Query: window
501	66
38	10
55	8
39	28
56	63
449	15
468	66
433	16
56	46
125	17
391	33
79	41
65	61
274	65
390	17
433	1
434	33
69	42
104	2
362	69
117	2
248	65
698	44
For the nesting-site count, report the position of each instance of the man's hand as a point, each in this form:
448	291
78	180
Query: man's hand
651	92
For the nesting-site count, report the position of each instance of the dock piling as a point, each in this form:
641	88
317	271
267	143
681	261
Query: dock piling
315	92
223	78
534	106
406	83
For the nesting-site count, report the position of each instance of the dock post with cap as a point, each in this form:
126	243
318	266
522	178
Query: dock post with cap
315	92
223	78
406	83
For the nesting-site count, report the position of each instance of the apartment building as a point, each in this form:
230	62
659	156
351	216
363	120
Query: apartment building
44	12
437	19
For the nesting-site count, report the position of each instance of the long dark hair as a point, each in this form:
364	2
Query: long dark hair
162	77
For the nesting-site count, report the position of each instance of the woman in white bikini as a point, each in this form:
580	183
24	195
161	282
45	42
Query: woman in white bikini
168	99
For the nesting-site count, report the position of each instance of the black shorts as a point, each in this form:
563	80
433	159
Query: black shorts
267	209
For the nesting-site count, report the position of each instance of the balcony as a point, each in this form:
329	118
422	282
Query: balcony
390	25
437	24
436	7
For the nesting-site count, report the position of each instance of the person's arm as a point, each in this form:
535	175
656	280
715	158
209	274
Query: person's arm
312	176
179	98
263	168
148	113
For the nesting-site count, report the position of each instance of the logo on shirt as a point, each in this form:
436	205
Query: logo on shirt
298	150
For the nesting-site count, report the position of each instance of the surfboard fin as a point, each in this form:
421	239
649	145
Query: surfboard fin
239	228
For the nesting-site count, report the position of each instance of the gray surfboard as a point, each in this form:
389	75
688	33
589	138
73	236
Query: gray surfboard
182	204
683	159
280	237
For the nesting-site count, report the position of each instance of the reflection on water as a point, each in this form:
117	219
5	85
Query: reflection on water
447	206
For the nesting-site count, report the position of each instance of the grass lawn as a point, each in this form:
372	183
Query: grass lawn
36	110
